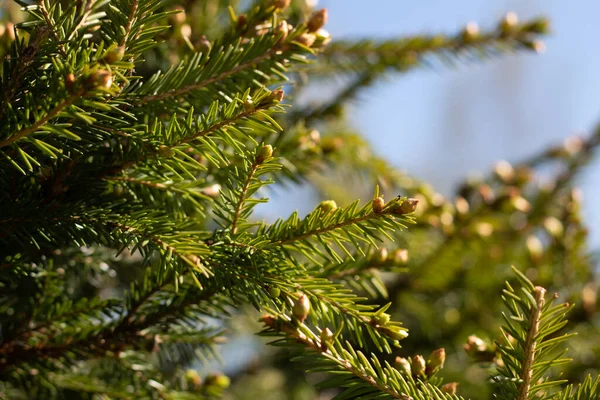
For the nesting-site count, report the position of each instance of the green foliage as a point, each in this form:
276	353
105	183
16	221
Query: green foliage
137	142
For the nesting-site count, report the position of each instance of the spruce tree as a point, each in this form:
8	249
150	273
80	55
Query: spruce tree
137	137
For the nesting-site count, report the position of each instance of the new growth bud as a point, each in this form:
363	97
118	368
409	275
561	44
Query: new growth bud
115	55
277	95
418	365
435	362
218	380
449	388
192	378
306	39
378	204
264	154
327	206
326	337
403	365
281	4
406	207
100	79
301	308
317	20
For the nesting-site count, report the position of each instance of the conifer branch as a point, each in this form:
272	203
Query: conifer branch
531	343
50	24
242	197
175	93
29	130
134	8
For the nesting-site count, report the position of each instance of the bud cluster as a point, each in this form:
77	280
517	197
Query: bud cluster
422	368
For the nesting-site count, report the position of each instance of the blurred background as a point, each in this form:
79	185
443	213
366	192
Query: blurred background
444	124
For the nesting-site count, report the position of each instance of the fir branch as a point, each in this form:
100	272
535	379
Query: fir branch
134	9
531	343
177	93
42	121
242	197
50	24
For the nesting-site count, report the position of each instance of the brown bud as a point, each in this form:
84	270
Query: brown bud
301	308
381	255
277	95
179	17
264	154
418	365
242	21
378	204
435	362
317	20
326	337
282	29
281	4
403	365
70	82
406	207
100	79
306	39
475	346
115	55
165	151
449	388
203	44
401	256
504	171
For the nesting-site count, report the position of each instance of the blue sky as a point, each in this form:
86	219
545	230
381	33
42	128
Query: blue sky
452	122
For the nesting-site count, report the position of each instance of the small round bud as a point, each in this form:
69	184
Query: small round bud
185	30
282	29
475	346
471	32
277	95
70	82
381	255
378	204
212	190
218	380
179	17
449	388
301	308
203	44
326	337
418	365
248	105
275	292
462	205
554	226
401	256
165	151
242	20
280	4
317	20
306	39
100	79
327	206
504	171
406	207
192	378
403	365
509	23
115	55
436	360
322	38
264	154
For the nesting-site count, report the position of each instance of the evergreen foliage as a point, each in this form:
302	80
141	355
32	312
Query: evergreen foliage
137	139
